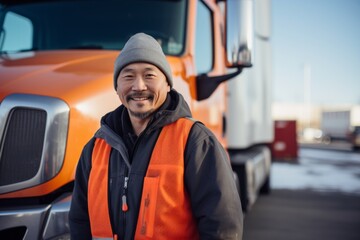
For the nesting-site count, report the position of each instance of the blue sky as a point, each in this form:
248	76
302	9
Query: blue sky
325	36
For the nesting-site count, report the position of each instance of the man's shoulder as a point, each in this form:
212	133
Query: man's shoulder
200	131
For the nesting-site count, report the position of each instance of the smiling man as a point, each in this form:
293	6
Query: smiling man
143	90
150	171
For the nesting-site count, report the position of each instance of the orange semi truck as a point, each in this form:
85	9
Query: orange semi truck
56	68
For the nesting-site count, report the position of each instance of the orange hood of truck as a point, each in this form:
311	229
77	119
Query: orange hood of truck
54	73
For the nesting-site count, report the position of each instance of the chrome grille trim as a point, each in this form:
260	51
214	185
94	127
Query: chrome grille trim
56	130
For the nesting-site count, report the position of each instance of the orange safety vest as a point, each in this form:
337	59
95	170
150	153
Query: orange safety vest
165	211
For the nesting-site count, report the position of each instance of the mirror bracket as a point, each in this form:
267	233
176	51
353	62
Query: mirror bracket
206	85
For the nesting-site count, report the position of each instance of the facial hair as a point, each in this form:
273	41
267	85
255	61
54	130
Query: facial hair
141	115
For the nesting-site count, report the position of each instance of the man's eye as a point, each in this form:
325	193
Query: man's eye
150	75
128	76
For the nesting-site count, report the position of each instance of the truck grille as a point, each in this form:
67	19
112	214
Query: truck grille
23	145
33	134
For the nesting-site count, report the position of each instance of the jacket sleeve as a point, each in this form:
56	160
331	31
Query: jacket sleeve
210	183
78	215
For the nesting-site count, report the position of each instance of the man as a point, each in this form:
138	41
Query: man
150	171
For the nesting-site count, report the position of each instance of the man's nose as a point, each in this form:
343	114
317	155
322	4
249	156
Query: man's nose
139	84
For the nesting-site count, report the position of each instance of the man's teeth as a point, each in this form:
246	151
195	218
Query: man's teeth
139	98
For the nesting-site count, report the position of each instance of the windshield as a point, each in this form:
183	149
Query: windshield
54	25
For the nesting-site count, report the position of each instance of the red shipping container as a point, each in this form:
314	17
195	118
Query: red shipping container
285	145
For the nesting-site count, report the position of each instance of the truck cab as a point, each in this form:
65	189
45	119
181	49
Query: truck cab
56	69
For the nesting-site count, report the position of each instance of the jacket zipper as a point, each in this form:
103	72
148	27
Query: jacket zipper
125	206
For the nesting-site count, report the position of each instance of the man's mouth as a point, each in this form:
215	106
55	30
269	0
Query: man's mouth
138	97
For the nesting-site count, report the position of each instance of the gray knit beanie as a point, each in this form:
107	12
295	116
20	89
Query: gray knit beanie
142	48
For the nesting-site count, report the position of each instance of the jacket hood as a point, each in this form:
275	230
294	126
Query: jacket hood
177	108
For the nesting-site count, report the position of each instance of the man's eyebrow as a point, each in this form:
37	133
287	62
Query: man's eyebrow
127	70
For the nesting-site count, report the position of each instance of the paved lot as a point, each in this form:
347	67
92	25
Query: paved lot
304	214
316	197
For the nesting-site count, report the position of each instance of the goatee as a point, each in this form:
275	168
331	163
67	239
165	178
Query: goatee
141	115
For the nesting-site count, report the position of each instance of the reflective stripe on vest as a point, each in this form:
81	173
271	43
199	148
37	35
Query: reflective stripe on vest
165	211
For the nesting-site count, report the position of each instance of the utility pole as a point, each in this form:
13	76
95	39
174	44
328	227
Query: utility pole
307	94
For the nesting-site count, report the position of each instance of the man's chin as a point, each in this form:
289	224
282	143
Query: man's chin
141	115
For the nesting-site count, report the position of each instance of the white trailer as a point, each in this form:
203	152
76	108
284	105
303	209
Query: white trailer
335	125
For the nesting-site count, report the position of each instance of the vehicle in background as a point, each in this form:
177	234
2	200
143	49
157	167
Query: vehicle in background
355	137
335	125
341	125
56	69
312	135
355	127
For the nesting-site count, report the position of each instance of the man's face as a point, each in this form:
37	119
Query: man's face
142	88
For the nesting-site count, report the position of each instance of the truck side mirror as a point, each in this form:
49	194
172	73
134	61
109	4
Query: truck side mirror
239	33
239	43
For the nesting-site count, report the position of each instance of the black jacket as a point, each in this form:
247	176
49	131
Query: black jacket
208	176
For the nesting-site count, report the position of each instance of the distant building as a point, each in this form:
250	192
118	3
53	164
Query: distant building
326	118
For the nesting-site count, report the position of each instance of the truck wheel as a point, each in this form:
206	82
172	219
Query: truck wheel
266	188
242	195
326	139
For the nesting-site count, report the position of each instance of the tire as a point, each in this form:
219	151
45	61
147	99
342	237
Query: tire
266	188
